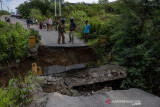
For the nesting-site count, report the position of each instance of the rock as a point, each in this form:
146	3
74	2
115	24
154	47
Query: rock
110	75
95	75
40	98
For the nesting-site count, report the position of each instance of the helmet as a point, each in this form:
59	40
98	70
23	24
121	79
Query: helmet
63	20
71	19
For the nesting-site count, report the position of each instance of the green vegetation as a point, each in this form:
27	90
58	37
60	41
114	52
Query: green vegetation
26	7
3	12
35	14
17	93
136	43
13	42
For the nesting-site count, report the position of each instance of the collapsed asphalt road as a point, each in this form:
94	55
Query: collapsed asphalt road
72	89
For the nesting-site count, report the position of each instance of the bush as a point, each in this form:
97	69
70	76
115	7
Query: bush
136	44
18	93
3	12
79	16
101	12
91	12
13	42
98	28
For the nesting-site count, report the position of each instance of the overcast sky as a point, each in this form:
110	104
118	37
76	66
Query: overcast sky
14	3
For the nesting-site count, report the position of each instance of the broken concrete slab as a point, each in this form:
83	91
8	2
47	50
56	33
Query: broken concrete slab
56	45
116	98
75	67
96	75
51	70
107	75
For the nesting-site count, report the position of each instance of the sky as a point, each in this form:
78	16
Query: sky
14	3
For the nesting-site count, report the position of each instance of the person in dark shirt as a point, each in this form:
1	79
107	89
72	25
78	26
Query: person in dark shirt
61	31
72	29
40	24
56	23
28	21
47	22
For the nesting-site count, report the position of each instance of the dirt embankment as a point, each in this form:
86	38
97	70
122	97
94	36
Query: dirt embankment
64	56
47	56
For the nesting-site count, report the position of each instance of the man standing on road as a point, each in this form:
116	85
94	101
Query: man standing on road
28	21
61	31
72	29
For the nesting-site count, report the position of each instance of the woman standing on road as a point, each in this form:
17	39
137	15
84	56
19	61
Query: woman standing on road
50	24
40	24
86	31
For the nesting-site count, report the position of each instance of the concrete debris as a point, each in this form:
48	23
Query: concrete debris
66	82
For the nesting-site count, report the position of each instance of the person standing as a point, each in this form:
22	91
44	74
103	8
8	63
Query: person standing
72	29
44	25
56	23
36	22
40	24
28	21
61	31
50	24
86	31
47	22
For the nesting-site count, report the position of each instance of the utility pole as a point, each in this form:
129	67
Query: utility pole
8	8
59	8
1	4
55	8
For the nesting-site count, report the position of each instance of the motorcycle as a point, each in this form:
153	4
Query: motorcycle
44	25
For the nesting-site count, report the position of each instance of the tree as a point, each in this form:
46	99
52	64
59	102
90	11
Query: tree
35	14
102	2
136	40
3	12
42	5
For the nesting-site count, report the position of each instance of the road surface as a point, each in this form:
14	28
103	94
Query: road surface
48	38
